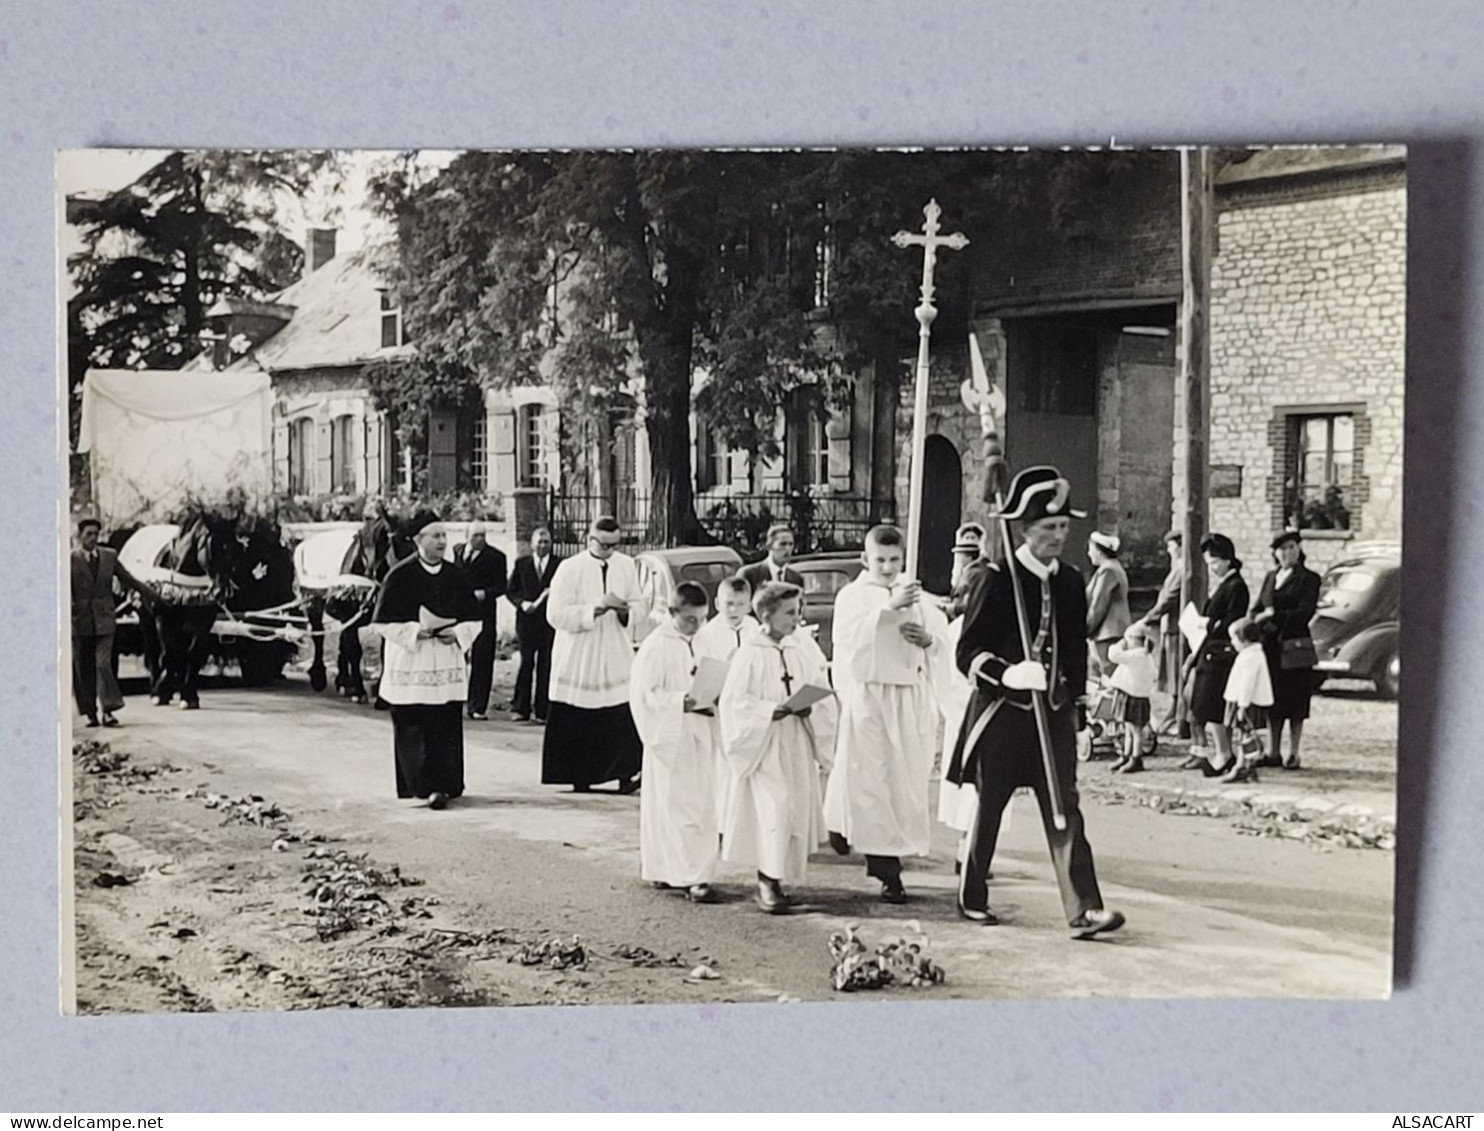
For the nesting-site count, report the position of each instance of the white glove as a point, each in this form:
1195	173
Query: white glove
1025	676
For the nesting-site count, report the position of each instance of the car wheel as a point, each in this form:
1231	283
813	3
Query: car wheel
1389	676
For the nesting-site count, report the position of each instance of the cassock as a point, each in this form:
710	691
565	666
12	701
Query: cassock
425	681
679	822
878	793
590	736
773	818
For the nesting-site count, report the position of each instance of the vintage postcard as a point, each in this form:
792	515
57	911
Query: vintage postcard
462	546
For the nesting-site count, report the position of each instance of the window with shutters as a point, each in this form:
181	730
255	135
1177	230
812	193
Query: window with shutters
481	452
530	450
391	320
342	454
301	456
824	262
807	443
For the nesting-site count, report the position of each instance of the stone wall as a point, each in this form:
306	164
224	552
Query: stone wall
1308	313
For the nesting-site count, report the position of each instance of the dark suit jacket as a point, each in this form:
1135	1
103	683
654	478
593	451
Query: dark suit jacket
990	642
758	574
487	572
93	602
526	586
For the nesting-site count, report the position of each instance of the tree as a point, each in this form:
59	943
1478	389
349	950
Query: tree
763	270
194	228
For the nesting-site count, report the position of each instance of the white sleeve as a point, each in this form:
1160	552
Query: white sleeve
565	609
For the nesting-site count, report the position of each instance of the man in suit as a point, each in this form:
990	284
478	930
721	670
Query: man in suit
484	566
528	587
94	569
999	746
774	567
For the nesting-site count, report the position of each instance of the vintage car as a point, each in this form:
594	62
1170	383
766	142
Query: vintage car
660	571
1357	628
260	642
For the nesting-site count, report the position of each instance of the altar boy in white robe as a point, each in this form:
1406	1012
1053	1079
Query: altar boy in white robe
721	636
594	605
773	819
887	641
679	822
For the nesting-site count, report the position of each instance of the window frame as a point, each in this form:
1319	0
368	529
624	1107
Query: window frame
479	443
342	454
530	463
301	444
1303	492
391	314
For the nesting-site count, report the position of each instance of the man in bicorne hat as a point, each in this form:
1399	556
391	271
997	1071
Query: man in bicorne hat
429	618
999	748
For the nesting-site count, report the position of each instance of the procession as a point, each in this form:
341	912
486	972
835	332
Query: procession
836	655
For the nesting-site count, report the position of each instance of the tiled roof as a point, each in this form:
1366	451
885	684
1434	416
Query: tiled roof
336	322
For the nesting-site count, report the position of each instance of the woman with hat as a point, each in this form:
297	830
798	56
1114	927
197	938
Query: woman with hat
1284	607
1108	617
1213	660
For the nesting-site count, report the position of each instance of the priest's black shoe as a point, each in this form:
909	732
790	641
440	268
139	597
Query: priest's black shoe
438	801
981	915
93	721
839	844
892	891
1098	922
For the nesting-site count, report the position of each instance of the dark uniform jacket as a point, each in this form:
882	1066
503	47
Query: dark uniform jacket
990	642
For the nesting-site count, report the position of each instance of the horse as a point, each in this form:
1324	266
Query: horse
221	566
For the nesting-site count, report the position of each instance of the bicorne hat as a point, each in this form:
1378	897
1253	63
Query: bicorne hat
1037	493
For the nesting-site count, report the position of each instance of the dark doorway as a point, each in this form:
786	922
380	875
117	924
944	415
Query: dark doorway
942	506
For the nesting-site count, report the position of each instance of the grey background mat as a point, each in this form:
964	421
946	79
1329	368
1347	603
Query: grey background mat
454	74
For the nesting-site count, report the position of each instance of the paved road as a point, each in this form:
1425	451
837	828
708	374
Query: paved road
1211	912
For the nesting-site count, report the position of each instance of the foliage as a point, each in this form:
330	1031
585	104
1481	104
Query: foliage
604	273
194	228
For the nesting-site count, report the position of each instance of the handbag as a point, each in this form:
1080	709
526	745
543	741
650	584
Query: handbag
1298	652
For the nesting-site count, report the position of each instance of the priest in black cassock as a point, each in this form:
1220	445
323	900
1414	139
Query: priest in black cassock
429	619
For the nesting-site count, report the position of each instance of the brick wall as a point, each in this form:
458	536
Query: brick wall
1308	311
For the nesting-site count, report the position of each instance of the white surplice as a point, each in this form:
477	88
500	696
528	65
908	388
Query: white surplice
720	640
592	656
679	820
773	818
877	796
957	804
425	671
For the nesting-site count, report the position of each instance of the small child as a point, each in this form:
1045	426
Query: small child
1133	679
1248	695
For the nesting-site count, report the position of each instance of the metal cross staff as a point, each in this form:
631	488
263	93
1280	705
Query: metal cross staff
930	241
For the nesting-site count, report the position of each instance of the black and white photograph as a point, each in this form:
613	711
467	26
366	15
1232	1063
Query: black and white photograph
690	576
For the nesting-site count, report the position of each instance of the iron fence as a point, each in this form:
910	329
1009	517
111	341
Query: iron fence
819	522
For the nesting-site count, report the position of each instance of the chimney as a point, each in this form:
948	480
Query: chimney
319	248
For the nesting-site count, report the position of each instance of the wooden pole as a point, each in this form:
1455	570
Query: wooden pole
1197	240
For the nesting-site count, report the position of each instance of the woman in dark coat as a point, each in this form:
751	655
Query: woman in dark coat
1284	608
1213	660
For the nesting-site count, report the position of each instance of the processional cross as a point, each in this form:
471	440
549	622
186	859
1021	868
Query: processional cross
979	395
930	241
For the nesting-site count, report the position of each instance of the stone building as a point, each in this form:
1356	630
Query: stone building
1307	349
